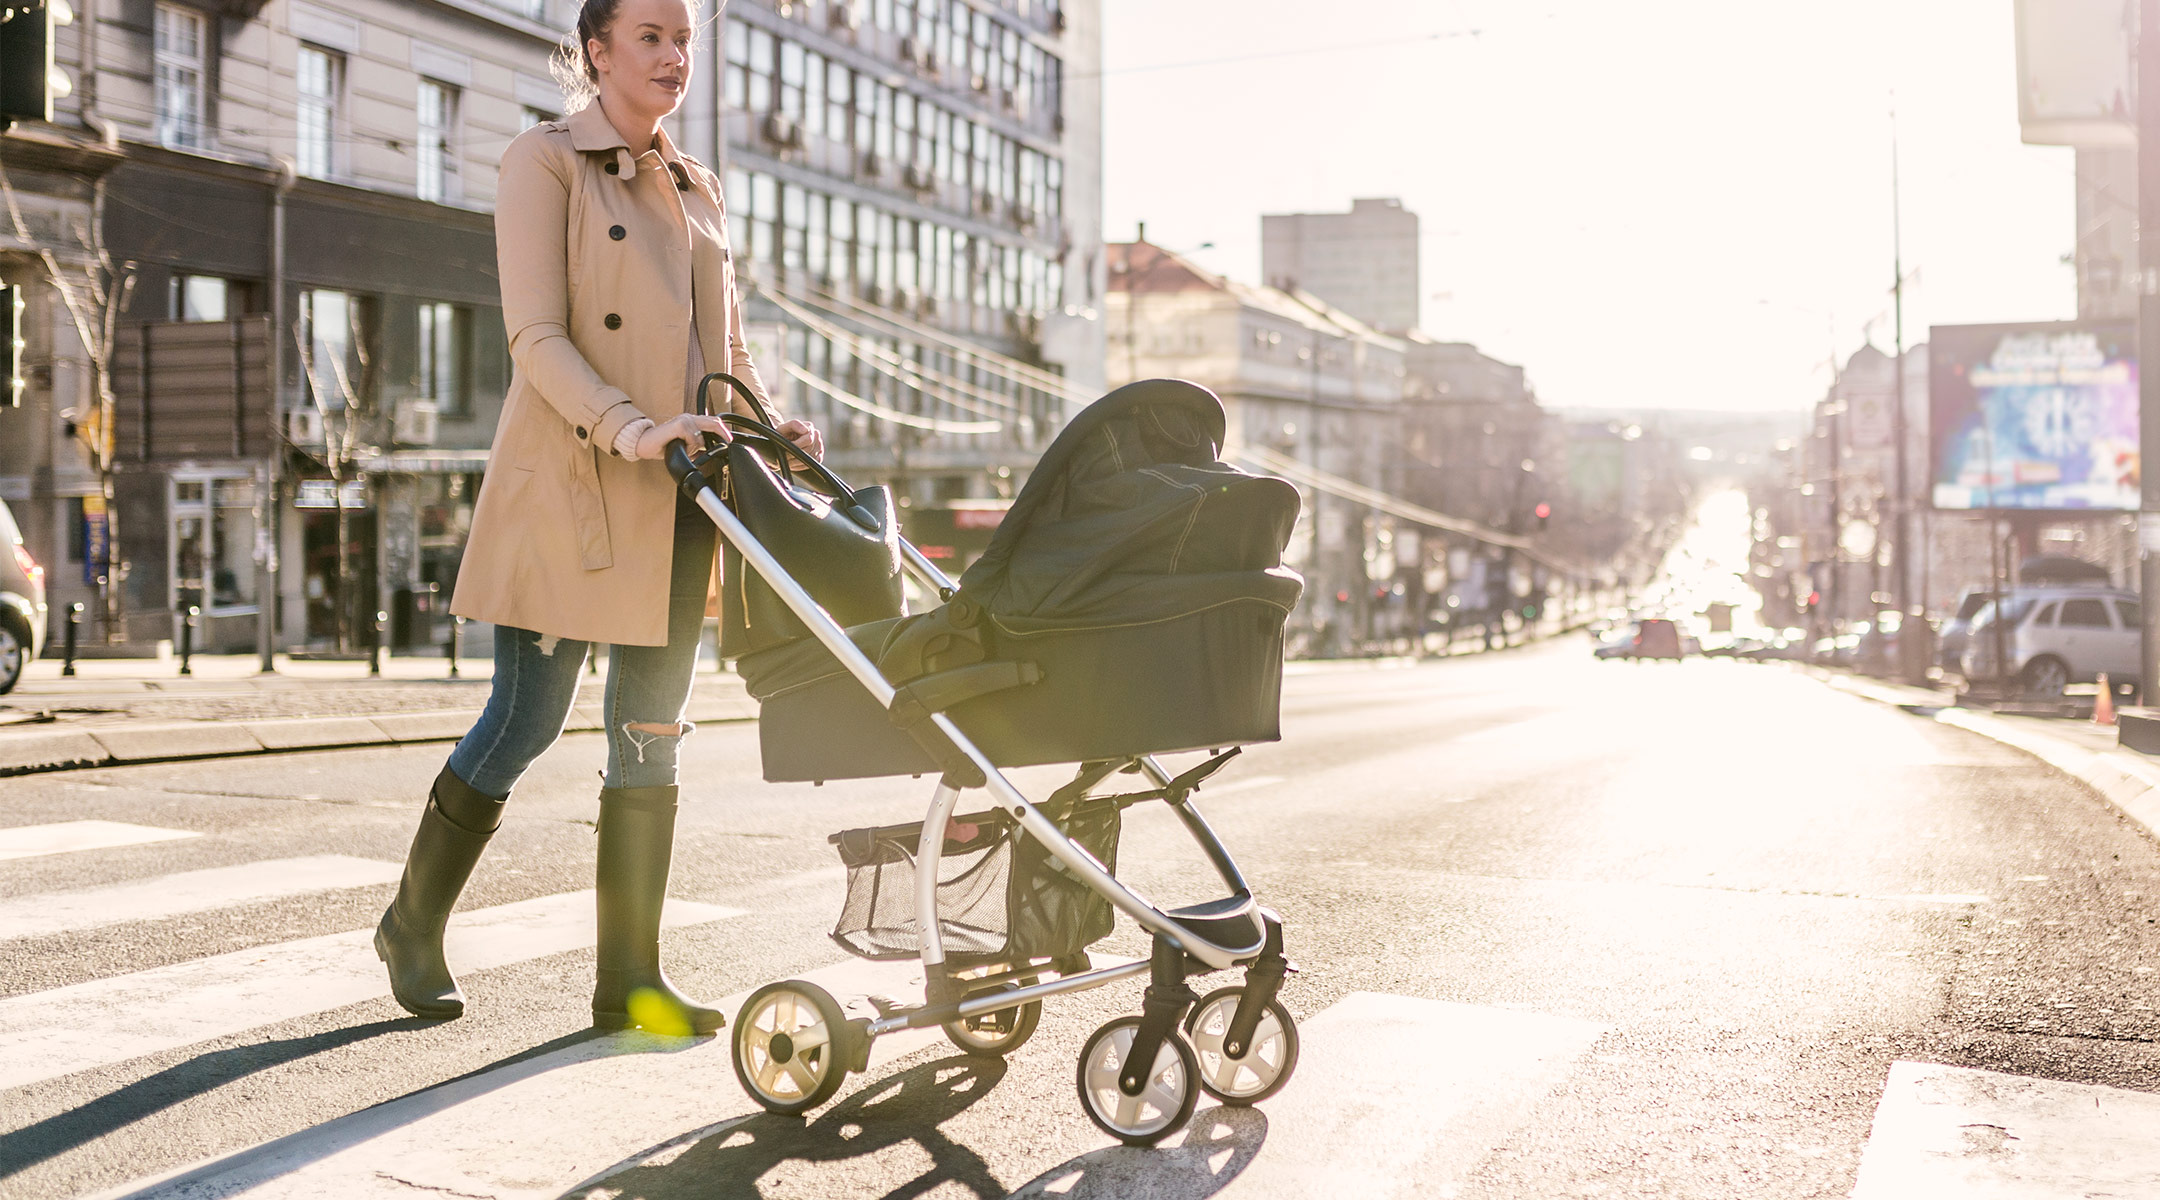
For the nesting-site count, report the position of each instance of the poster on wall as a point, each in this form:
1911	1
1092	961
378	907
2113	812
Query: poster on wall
2040	416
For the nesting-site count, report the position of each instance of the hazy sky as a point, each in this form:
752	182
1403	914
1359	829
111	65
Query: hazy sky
1644	204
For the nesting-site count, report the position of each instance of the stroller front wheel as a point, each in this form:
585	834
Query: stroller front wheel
788	1047
1165	1100
1267	1062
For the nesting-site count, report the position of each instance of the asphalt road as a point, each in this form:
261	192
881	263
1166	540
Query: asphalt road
1567	928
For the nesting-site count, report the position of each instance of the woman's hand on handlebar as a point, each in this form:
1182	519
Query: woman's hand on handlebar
685	429
805	435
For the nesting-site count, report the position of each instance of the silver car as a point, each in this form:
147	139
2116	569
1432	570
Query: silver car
22	603
2055	636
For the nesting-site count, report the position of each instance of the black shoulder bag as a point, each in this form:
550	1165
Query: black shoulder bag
840	543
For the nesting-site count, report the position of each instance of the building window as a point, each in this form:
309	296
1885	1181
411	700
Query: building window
320	76
532	117
199	298
444	337
437	107
334	324
179	54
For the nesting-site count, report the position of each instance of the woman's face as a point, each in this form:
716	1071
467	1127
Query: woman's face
644	61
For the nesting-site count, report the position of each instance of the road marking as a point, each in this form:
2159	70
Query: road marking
30	841
1956	1131
187	892
580	1113
44	1035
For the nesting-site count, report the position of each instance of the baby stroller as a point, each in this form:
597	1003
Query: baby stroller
1130	604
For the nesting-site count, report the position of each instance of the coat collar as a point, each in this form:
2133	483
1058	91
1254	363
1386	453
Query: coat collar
591	131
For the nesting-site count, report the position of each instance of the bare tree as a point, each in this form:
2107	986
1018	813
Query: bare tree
94	303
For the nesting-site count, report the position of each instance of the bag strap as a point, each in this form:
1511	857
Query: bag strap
757	406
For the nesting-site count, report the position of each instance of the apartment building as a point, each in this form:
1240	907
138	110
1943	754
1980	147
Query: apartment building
914	189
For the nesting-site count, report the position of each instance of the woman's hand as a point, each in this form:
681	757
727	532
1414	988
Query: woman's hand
805	435
685	429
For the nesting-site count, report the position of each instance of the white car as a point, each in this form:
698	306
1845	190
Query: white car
22	603
2056	636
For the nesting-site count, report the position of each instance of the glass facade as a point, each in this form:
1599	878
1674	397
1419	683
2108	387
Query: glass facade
895	187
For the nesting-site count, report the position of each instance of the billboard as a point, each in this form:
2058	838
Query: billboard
2040	416
2074	69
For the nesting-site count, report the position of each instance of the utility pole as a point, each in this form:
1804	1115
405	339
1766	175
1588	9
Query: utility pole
1912	650
2148	103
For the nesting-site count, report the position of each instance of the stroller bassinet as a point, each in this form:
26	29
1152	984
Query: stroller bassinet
1136	587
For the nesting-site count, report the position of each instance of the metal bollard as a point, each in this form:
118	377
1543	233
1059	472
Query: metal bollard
67	667
187	639
592	660
374	661
457	629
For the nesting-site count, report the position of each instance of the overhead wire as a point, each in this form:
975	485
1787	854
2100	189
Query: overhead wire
908	373
895	416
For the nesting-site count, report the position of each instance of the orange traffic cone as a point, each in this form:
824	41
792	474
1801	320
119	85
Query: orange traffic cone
2104	703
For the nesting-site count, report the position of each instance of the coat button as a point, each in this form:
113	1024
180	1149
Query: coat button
581	431
616	232
612	168
613	321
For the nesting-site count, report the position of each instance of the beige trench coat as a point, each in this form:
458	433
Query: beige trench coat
598	260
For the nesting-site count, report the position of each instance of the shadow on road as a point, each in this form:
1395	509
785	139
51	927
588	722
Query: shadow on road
1219	1144
726	1161
56	1135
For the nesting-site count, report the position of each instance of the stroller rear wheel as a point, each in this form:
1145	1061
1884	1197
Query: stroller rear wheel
1165	1100
1266	1063
789	1046
995	1034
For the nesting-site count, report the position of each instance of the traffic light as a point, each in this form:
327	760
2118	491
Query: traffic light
1544	514
11	310
28	78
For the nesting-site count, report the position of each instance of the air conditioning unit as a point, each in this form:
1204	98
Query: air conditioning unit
872	165
415	422
1024	325
843	16
782	130
1057	123
928	306
931	63
1057	20
980	83
904	298
985	203
1006	98
873	294
1023	216
911	50
919	178
304	427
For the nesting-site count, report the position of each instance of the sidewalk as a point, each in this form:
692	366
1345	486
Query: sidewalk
2082	750
117	711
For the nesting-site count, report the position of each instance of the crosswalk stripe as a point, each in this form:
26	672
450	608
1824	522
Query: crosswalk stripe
187	892
44	1035
1958	1131
533	1128
1393	1096
30	841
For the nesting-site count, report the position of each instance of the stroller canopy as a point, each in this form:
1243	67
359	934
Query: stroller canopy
1130	516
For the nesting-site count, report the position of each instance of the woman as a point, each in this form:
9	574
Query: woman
618	294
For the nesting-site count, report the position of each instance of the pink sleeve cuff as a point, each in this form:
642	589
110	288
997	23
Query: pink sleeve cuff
627	438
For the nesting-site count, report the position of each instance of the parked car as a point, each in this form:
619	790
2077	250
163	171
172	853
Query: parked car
22	603
1656	637
2053	637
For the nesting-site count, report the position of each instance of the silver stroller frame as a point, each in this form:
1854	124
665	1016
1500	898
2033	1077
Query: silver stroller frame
1248	1039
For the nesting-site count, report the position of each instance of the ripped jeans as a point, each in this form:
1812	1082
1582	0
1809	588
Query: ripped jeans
648	687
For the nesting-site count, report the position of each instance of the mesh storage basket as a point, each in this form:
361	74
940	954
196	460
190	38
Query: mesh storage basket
1000	894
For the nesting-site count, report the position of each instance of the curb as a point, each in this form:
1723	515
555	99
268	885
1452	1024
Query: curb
2125	779
125	745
